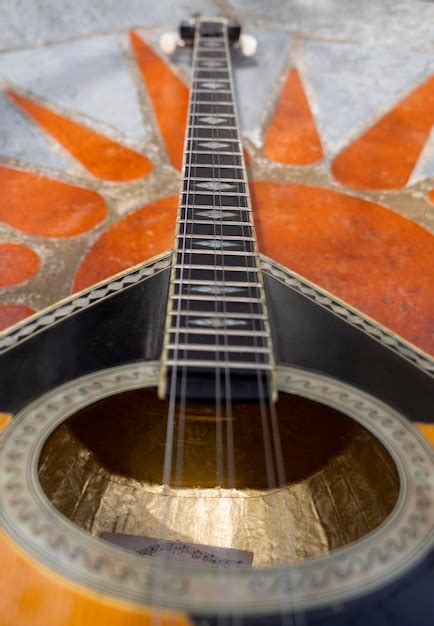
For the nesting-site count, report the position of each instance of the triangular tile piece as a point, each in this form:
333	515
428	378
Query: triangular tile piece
384	156
292	137
104	158
169	98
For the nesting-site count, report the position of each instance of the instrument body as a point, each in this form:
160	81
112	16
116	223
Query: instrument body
127	313
122	320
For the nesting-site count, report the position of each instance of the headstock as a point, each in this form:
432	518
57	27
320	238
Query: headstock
170	41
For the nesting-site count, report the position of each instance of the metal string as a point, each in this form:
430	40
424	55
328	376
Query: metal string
180	233
268	447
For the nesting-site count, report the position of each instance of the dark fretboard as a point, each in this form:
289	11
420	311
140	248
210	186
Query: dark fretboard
217	339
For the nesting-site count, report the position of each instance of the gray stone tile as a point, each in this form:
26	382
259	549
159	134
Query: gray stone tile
89	76
32	23
256	79
351	86
19	139
386	22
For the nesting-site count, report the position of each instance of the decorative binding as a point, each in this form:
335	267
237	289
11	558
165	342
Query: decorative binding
217	337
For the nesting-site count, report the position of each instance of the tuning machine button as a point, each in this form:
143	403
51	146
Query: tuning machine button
248	45
169	42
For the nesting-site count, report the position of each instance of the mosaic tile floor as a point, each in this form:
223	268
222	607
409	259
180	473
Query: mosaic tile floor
336	109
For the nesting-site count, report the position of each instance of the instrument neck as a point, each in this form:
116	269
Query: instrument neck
217	337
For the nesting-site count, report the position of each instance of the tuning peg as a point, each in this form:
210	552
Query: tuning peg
248	45
169	42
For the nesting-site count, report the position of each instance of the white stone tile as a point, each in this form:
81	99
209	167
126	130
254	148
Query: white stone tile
373	22
35	22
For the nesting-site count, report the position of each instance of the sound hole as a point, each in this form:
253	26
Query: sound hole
103	469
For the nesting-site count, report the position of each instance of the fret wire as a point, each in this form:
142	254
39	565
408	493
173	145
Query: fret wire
199	347
237	167
217	331
218	252
217	283
226	180
219	364
227	194
197	90
208	152
219	314
202	115
219	268
200	298
210	221
207	207
217	237
214	127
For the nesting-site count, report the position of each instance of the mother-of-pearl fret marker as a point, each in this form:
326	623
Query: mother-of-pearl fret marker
212	119
211	63
214	145
214	185
214	214
217	290
217	322
217	243
212	85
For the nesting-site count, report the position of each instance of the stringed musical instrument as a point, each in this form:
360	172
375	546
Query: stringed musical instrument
208	438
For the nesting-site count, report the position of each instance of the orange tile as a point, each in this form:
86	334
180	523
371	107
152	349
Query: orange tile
129	241
369	256
101	156
169	98
41	206
292	137
12	313
431	195
385	155
5	419
427	430
18	263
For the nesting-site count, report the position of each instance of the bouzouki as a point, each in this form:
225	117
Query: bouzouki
208	438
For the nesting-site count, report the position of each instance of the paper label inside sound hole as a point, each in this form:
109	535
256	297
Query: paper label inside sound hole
192	553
